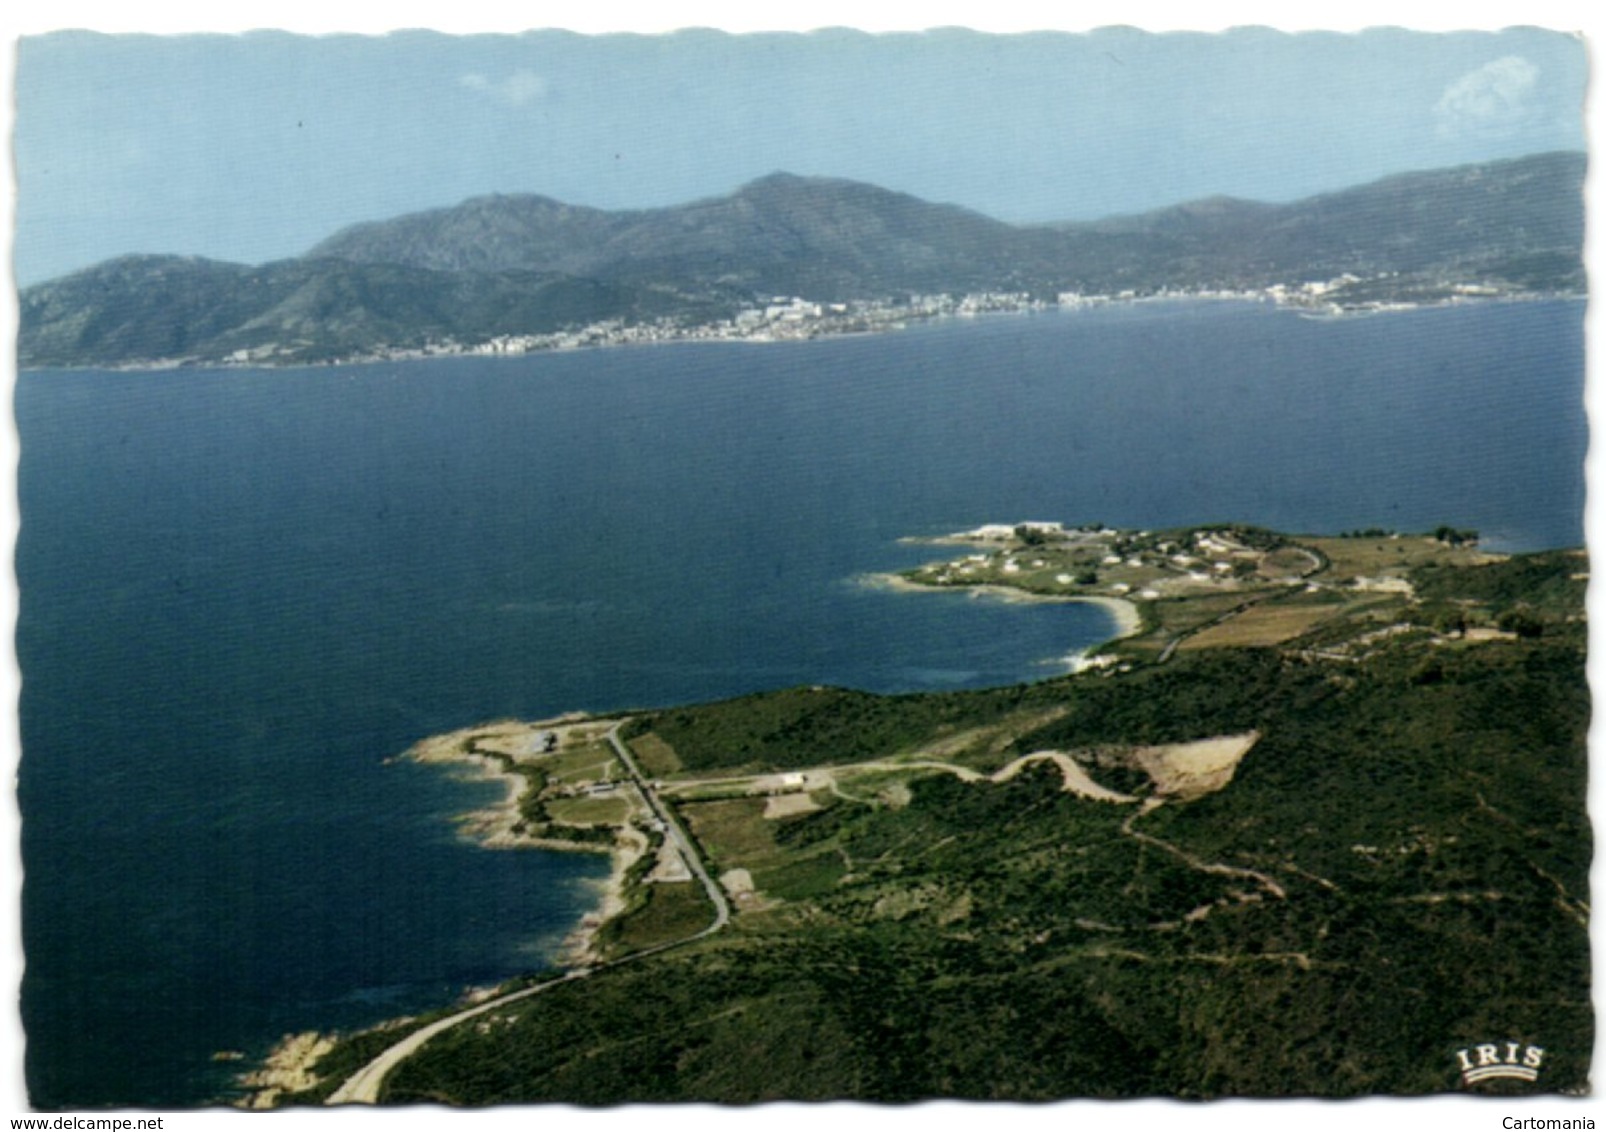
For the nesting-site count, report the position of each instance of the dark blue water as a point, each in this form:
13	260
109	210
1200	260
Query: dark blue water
242	591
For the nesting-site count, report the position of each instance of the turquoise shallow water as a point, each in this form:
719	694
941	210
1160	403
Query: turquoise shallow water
242	591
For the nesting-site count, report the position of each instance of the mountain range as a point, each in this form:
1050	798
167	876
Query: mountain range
527	265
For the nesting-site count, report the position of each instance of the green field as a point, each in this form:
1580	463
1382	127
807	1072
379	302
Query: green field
662	914
605	810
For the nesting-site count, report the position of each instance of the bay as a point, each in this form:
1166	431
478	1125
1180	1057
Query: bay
242	591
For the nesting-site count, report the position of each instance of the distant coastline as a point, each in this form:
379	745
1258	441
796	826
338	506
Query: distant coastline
871	317
854	320
421	285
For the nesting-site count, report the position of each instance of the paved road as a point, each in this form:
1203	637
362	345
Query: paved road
677	835
362	1087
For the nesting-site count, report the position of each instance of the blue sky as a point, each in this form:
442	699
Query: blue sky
254	147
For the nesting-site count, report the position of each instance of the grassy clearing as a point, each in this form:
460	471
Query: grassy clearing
667	912
734	833
737	835
1350	558
801	878
739	787
1173	617
1265	624
585	762
655	756
608	810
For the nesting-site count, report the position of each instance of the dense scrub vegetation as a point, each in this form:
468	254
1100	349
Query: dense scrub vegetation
1551	585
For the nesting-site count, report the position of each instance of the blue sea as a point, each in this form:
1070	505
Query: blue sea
243	591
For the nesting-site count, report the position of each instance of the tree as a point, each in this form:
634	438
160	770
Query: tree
1521	622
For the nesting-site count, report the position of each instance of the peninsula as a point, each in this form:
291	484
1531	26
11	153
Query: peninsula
1316	826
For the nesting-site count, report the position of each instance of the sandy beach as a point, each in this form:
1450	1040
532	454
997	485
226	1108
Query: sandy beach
1128	619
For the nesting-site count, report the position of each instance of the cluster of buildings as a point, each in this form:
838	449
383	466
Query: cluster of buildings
782	318
789	317
1096	559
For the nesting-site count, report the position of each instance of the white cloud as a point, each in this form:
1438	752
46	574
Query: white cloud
1495	99
518	89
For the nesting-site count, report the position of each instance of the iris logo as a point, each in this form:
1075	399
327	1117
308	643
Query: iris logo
1512	1060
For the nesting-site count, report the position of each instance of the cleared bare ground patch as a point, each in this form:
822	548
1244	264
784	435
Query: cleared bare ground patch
788	805
1192	770
737	882
670	867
